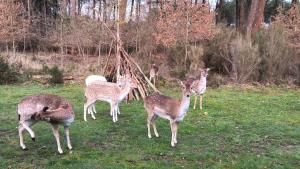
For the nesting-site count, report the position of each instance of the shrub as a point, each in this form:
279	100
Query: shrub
244	59
56	75
8	74
279	60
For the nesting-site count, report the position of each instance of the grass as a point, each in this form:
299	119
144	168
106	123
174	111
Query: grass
244	128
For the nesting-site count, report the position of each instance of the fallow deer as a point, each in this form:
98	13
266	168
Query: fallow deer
113	94
199	86
153	73
45	107
168	108
94	79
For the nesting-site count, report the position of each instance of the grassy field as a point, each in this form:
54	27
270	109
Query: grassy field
244	128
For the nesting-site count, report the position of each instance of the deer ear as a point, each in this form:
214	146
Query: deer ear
180	82
45	109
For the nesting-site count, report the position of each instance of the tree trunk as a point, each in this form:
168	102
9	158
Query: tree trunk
240	16
118	54
94	9
131	8
29	10
14	49
219	7
259	17
104	11
122	10
251	17
73	7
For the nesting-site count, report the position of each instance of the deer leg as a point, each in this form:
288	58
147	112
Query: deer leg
94	108
155	130
154	80
118	108
154	125
84	111
149	119
112	111
26	125
92	113
174	132
21	130
86	108
195	102
56	135
201	97
67	132
116	111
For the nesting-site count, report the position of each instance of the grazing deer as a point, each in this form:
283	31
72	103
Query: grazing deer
153	73
94	79
168	108
199	86
45	107
113	94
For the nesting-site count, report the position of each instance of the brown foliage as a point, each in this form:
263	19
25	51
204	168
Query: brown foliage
12	25
181	20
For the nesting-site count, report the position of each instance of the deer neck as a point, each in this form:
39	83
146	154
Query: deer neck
203	80
184	107
124	92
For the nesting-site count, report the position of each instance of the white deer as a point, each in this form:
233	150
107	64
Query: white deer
199	86
168	108
94	79
111	93
45	107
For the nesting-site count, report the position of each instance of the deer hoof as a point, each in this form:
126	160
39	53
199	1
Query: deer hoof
33	139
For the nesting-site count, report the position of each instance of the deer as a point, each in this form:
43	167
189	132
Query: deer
120	82
153	73
94	79
172	109
112	94
199	87
50	108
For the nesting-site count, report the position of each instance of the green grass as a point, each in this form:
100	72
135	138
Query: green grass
245	128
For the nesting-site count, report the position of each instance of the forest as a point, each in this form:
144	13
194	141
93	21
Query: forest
241	41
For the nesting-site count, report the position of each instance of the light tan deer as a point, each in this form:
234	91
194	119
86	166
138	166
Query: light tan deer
45	107
153	73
113	94
199	86
168	108
96	79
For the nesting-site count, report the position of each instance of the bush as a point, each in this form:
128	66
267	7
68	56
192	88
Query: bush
56	75
244	59
279	60
8	74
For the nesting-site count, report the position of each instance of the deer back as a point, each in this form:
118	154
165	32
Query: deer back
43	106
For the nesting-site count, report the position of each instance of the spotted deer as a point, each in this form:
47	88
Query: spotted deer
45	107
110	93
153	73
94	79
199	86
168	108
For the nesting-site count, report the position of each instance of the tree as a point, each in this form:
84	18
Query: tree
12	24
240	15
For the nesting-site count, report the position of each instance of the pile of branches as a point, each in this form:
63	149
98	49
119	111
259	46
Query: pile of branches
127	64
